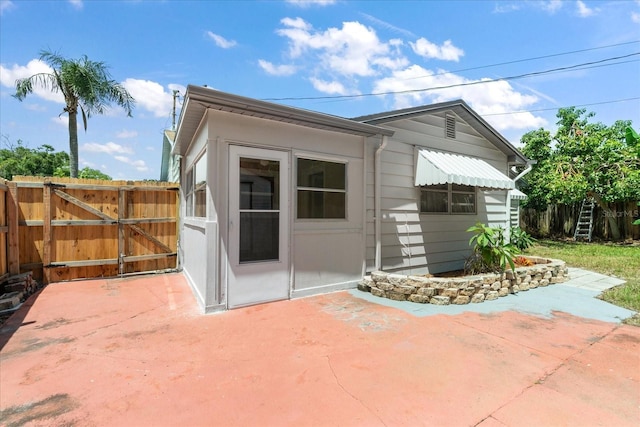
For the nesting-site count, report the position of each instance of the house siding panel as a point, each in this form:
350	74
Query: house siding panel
427	243
324	254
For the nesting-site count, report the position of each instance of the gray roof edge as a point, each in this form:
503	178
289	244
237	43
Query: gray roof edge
215	97
484	128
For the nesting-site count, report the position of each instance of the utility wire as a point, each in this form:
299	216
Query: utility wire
583	65
525	60
556	108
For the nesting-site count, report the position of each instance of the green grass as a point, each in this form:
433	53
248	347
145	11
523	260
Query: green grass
613	259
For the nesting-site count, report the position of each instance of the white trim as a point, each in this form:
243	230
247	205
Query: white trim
299	293
294	186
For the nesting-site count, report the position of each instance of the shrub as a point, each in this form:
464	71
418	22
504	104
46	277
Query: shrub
491	252
521	239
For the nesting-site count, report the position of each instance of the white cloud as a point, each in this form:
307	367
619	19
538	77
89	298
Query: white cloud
108	148
388	26
332	88
276	70
8	77
308	3
124	134
584	11
551	6
446	52
62	120
152	96
139	165
635	17
221	41
77	4
353	50
6	5
503	7
485	98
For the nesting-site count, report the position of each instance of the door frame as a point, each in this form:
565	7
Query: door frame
234	268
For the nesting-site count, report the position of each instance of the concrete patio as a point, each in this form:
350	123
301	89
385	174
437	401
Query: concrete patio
137	352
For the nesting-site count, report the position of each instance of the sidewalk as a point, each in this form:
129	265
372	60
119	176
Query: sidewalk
577	296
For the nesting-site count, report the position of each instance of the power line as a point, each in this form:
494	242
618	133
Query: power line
526	59
584	65
556	108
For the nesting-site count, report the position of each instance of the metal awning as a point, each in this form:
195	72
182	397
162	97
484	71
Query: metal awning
517	194
435	167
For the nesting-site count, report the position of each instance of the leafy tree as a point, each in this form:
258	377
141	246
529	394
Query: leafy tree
89	173
85	84
17	159
583	159
20	160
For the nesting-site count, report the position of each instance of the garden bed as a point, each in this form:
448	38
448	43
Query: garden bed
465	289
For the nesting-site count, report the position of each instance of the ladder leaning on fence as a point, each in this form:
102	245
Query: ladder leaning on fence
584	227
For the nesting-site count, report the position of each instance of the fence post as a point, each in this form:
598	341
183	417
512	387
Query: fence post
121	229
14	234
46	231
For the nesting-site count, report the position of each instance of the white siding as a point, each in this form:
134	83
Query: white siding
421	243
199	236
515	213
324	254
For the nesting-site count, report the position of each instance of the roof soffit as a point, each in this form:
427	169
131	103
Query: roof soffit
199	99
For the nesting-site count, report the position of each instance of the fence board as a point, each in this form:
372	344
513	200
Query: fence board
560	220
70	229
4	229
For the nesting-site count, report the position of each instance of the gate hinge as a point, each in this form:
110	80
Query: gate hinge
54	185
54	265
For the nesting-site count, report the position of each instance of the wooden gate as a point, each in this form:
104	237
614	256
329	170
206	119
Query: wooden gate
72	228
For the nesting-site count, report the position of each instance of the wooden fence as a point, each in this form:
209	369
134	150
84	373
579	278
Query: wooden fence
560	220
65	229
4	230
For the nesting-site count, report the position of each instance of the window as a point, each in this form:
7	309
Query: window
196	189
321	189
448	199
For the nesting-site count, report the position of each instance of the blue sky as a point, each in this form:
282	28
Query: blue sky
335	57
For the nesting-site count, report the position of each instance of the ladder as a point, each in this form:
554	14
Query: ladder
584	227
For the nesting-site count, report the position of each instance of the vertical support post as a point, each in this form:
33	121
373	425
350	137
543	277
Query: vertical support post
178	225
122	214
13	236
129	210
47	246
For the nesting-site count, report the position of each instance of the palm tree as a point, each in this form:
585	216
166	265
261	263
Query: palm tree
85	84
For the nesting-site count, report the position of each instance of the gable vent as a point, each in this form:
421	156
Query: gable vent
450	126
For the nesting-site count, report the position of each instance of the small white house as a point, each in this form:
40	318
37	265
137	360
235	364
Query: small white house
279	202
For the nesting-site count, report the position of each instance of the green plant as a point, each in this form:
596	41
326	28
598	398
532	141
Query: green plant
491	251
521	239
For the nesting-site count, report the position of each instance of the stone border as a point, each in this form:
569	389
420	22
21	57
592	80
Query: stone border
463	290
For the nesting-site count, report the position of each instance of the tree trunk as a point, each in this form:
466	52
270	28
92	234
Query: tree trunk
73	143
611	218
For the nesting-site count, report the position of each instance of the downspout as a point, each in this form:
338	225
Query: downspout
377	207
530	164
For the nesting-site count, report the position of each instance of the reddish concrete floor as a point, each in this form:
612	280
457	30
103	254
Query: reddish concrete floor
136	352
